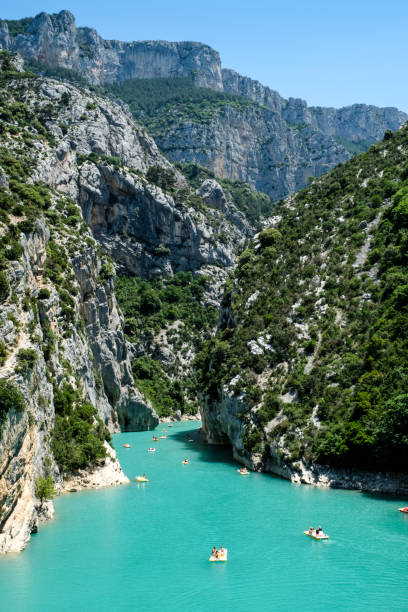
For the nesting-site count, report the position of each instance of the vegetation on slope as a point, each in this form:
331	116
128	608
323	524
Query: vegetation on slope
166	312
78	436
253	204
160	102
316	340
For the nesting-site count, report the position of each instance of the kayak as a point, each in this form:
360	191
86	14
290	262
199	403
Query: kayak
152	450
142	479
317	536
220	557
126	445
404	509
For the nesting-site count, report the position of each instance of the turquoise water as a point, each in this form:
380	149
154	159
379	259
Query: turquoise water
146	547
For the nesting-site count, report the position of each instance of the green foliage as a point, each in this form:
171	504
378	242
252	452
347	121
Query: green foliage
156	385
4	286
44	488
174	305
304	295
78	436
162	177
270	237
44	293
18	26
152	100
107	271
354	147
26	359
252	204
3	353
10	399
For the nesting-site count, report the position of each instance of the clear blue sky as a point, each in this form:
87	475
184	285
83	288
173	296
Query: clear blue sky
328	52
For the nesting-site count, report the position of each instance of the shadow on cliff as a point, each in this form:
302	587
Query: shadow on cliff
202	450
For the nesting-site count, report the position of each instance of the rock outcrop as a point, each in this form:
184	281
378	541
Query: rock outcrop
275	145
55	40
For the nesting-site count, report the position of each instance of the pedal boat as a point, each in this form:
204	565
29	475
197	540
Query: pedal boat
316	536
405	510
220	557
142	479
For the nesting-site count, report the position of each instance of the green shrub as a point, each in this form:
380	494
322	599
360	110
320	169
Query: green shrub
26	359
4	286
10	399
269	237
44	293
44	488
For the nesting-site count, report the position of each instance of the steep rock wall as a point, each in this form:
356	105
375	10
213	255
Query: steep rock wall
55	40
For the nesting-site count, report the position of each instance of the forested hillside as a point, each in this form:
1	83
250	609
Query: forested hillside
310	362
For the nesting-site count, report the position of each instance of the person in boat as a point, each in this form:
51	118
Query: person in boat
318	530
214	552
144	476
222	551
311	530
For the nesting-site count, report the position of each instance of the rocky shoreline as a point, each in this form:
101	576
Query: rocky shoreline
388	483
109	474
178	417
27	515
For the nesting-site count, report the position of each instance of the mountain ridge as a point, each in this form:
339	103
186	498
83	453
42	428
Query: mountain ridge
274	146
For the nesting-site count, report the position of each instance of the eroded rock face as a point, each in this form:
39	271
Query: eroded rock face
55	40
93	358
129	216
256	146
276	145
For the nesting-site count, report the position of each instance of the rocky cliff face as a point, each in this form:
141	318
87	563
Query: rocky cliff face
55	40
275	145
253	145
100	159
73	171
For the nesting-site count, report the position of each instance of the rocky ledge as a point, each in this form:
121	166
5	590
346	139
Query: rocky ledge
108	474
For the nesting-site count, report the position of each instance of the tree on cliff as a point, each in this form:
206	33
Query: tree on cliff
44	489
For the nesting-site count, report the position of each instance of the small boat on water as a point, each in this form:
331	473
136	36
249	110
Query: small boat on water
219	556
316	536
190	440
142	479
163	436
155	439
152	449
126	445
169	425
405	510
185	462
243	472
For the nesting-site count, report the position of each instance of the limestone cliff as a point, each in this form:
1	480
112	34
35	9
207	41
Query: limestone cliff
77	174
55	40
275	144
